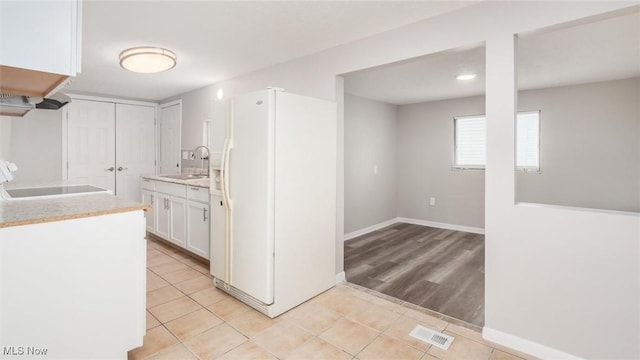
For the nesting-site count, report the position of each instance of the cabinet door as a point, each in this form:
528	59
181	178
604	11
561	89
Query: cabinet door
218	251
43	36
198	230
177	220
161	211
148	198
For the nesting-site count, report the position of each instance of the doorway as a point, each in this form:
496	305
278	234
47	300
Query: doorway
169	137
414	200
438	269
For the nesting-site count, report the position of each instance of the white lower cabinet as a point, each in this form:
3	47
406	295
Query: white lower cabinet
98	310
162	220
198	234
180	214
148	198
177	220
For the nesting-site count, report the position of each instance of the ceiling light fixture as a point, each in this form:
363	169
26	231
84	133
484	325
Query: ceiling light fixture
147	59
466	76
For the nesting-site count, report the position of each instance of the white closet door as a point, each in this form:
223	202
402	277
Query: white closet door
91	143
169	138
135	148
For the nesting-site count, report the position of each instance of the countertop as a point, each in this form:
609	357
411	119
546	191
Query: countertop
204	183
35	211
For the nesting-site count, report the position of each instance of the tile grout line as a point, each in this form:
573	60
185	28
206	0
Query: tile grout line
250	339
380	333
292	322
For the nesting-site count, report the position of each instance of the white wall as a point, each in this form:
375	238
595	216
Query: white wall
36	146
5	136
589	153
555	278
199	106
369	140
425	156
588	146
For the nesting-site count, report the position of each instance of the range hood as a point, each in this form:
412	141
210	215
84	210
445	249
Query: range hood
21	90
11	105
17	105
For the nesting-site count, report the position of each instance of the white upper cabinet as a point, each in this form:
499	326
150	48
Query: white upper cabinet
43	37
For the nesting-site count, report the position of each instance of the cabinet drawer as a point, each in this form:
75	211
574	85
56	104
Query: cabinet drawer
171	189
196	193
148	184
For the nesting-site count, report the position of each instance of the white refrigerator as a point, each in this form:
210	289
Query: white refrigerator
273	202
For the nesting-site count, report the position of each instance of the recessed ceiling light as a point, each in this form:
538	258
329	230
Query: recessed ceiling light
466	76
146	59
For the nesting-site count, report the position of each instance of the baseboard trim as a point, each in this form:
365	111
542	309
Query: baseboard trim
525	346
469	229
341	278
355	234
440	225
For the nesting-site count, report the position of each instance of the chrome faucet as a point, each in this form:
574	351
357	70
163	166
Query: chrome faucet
203	158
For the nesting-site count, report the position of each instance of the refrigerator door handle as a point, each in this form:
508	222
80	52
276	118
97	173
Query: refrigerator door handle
222	171
224	187
225	174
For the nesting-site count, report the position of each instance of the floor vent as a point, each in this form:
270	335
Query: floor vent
432	337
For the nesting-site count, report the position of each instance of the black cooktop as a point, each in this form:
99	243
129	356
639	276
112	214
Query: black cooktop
56	190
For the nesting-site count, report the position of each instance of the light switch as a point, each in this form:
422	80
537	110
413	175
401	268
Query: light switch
375	169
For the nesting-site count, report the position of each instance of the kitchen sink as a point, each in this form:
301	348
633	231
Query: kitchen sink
186	176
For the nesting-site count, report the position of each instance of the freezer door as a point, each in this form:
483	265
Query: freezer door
251	191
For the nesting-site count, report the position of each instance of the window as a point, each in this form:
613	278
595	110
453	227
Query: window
528	141
470	142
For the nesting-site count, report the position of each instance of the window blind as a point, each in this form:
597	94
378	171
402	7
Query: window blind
528	141
470	142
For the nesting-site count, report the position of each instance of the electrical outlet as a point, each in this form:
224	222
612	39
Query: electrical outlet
432	201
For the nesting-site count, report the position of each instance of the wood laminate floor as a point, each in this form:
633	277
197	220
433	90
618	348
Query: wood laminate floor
441	270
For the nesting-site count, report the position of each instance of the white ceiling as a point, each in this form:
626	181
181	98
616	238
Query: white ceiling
597	51
216	41
427	78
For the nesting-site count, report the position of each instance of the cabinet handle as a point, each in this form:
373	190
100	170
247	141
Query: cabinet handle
204	213
151	199
195	188
110	169
120	168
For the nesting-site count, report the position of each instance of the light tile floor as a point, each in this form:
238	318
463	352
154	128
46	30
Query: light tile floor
187	318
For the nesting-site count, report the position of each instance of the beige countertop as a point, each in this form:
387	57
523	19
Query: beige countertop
191	182
34	211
